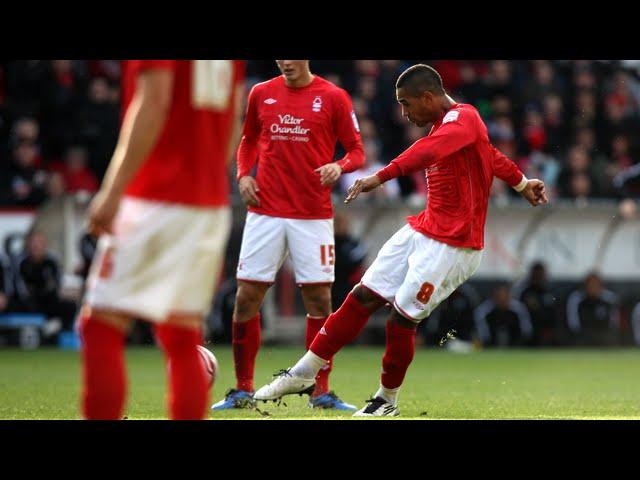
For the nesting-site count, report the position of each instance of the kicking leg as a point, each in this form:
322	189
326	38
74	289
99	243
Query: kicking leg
341	328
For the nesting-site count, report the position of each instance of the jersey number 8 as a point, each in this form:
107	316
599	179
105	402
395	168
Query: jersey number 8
425	292
212	82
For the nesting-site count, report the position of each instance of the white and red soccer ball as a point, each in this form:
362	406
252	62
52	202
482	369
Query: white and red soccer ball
210	363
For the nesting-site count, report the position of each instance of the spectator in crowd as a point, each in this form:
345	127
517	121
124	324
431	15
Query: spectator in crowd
350	256
593	314
503	321
576	179
471	89
24	183
77	176
536	295
99	123
38	281
65	86
24	87
455	313
543	82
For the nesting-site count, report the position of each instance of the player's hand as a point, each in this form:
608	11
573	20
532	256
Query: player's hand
102	211
249	191
329	173
535	192
365	184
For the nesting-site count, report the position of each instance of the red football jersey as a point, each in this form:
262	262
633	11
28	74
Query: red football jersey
291	132
460	164
188	164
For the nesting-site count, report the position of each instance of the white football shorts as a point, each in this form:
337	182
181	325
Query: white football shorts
266	242
415	273
163	258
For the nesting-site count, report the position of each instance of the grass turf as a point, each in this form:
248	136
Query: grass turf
499	384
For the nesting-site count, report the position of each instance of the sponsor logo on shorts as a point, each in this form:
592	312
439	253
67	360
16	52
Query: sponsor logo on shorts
327	270
418	305
322	331
270	101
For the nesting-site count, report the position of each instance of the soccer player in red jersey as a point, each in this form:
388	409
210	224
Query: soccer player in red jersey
426	260
163	218
291	128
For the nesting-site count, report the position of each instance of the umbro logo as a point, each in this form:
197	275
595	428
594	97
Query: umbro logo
270	101
322	331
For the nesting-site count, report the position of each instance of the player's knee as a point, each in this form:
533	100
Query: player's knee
177	339
248	301
402	321
318	301
365	297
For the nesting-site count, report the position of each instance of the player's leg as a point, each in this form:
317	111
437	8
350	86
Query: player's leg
378	286
399	351
435	271
188	385
317	301
262	253
181	332
246	331
104	382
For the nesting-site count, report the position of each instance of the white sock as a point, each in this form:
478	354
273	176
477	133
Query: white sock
308	366
389	394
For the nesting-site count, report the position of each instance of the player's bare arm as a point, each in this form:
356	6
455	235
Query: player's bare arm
365	184
236	134
329	173
534	192
141	128
248	188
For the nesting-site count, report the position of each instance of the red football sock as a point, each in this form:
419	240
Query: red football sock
246	343
104	381
314	324
188	383
342	327
398	354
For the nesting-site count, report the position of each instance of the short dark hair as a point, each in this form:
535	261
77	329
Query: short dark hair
420	78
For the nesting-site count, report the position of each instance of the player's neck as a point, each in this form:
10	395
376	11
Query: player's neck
302	81
445	105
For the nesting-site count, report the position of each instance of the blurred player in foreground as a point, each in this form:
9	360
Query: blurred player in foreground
426	260
293	122
163	216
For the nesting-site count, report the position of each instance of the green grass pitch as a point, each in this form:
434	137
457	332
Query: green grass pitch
499	384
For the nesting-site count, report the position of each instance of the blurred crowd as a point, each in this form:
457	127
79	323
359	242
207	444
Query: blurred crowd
570	123
59	122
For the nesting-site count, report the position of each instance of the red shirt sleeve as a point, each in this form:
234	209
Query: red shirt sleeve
248	149
503	168
454	134
348	131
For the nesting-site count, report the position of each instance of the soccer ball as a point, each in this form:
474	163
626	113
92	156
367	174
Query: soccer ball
210	363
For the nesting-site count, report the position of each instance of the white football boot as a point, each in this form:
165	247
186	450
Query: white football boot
378	407
285	384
